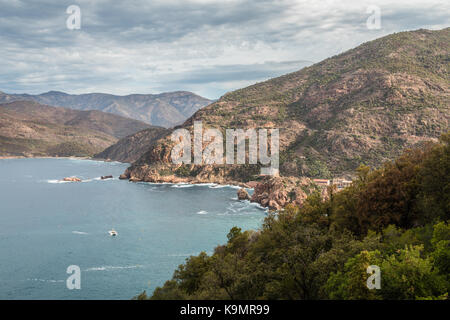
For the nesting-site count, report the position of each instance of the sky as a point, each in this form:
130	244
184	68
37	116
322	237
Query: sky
204	46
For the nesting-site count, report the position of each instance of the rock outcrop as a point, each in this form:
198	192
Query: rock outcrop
72	179
243	194
277	192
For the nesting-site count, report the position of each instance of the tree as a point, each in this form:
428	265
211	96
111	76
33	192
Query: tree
434	178
404	276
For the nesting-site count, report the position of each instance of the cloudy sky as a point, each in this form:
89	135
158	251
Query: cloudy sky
205	46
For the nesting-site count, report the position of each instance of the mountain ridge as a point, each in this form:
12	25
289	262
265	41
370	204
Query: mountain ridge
164	109
28	128
363	106
131	148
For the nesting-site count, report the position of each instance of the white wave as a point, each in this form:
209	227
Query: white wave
106	268
182	185
57	181
154	183
79	232
202	212
235	187
45	280
92	179
217	186
188	185
155	189
257	205
243	205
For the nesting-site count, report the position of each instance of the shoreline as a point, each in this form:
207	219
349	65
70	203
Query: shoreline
70	157
231	184
43	157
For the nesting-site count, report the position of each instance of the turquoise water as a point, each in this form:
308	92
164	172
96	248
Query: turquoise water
46	225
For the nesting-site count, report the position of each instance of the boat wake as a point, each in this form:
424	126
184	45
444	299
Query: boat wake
57	181
79	232
109	268
45	280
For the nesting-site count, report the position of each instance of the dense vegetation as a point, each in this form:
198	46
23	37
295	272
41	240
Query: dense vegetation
395	217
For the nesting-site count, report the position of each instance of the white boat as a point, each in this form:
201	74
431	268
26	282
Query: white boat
113	233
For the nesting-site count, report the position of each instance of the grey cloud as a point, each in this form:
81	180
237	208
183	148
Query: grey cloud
226	73
208	46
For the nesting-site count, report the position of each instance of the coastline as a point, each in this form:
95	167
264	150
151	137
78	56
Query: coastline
196	181
49	157
264	196
172	181
43	157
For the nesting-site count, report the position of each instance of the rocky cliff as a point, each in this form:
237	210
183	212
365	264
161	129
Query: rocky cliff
277	192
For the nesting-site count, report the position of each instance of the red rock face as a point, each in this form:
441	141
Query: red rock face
277	192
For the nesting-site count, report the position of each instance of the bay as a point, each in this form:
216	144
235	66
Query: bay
47	225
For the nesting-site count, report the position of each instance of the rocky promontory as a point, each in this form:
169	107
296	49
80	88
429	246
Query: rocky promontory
277	192
271	192
166	173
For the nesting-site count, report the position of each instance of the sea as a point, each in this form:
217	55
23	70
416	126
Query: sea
54	235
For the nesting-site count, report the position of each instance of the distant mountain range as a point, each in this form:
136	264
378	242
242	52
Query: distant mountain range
165	109
28	128
363	106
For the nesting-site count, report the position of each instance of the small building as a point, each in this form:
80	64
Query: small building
341	183
322	182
